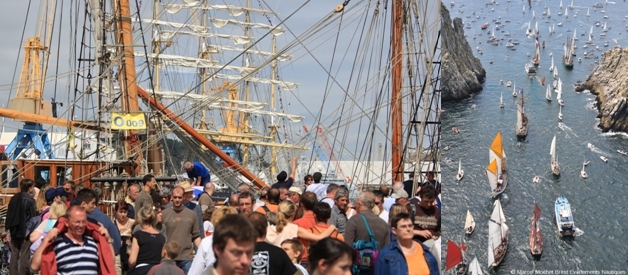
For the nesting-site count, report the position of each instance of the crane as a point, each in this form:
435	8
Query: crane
28	98
324	152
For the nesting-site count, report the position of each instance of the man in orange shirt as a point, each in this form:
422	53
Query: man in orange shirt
272	205
308	221
322	213
405	256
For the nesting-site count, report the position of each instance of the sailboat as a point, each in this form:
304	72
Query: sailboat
583	174
549	13
555	81
501	100
497	236
573	43
537	53
522	120
474	267
566	14
554	164
548	93
560	112
590	40
460	171
588	13
551	68
559	91
497	171
567	58
469	223
514	89
536	237
571	6
455	258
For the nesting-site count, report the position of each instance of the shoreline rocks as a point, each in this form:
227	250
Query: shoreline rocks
609	82
462	73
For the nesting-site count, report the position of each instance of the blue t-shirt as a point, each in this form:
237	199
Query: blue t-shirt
110	226
199	171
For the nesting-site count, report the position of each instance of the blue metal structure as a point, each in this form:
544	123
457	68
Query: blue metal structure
32	135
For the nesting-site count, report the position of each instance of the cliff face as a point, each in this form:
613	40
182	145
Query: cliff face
609	81
462	73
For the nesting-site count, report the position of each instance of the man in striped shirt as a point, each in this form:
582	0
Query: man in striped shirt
75	251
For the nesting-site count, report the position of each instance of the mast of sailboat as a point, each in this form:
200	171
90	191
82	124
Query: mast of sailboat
128	81
273	125
244	117
396	104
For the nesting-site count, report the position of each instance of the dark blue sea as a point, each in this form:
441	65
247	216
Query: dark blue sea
598	202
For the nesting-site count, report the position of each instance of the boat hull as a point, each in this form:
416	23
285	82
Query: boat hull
500	253
564	218
502	188
536	240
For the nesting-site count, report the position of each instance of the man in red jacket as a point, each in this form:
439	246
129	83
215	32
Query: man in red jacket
85	250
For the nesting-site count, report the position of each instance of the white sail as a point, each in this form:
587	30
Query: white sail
554	164
548	93
497	230
233	10
559	90
551	68
474	267
459	165
469	220
549	14
566	13
587	12
216	103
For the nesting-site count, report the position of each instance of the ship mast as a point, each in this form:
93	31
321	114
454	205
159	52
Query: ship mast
128	81
396	104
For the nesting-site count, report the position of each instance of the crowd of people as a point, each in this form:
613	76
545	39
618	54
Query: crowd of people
285	229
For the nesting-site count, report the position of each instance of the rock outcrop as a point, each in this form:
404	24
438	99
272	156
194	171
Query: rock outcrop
609	81
462	73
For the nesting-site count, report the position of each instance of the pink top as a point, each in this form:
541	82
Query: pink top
289	231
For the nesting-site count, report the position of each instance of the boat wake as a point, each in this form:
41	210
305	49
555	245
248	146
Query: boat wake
578	232
567	130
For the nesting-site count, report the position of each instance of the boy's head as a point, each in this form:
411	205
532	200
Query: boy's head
170	250
294	249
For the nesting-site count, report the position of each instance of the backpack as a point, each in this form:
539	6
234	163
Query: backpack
34	222
367	251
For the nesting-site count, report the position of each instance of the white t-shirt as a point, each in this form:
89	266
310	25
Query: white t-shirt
320	189
204	256
384	215
208	226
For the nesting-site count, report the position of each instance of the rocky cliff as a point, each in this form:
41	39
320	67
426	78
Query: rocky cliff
609	81
462	73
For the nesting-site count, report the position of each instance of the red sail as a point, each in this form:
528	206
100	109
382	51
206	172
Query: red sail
454	255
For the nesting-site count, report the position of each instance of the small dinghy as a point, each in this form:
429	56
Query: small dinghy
469	224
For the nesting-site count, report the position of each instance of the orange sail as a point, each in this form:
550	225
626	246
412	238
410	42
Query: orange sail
543	81
454	255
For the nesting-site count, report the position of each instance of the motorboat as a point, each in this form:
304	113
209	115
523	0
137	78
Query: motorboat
536	179
583	174
623	152
604	159
564	218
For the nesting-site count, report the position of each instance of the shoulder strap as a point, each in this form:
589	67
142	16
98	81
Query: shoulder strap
266	208
368	228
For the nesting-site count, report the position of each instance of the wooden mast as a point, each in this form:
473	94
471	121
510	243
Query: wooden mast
128	81
396	104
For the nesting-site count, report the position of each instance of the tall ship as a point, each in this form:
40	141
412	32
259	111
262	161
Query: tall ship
536	237
209	82
522	120
497	171
568	49
497	236
536	60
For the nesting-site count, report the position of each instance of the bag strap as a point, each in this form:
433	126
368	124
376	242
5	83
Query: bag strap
368	228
